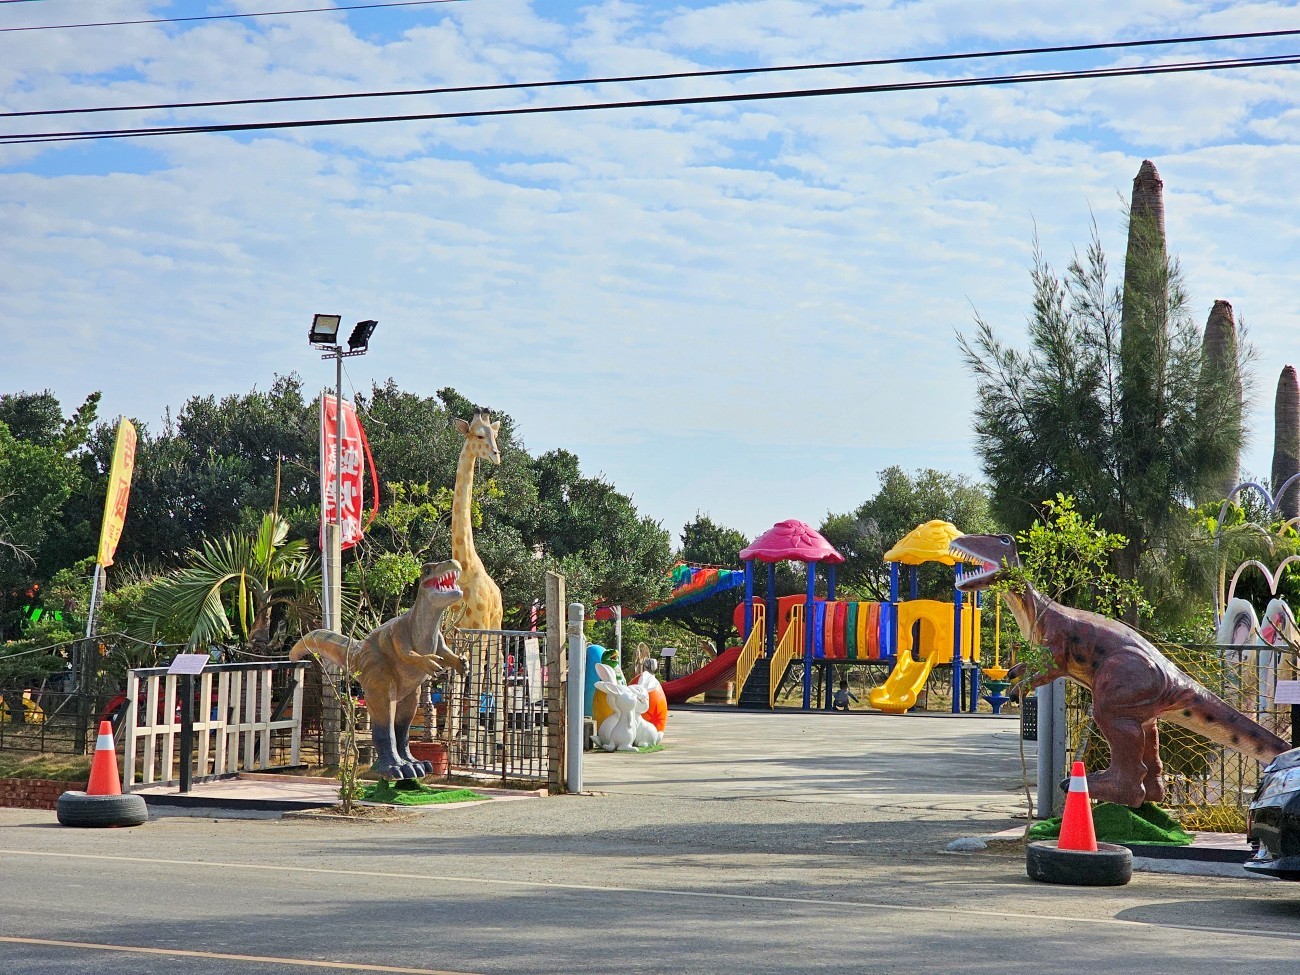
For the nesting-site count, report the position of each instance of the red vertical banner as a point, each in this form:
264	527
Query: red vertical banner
351	484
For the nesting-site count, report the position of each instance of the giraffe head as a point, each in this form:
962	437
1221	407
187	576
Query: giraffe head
480	435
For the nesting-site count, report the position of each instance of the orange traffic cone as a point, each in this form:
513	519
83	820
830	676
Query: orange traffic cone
104	780
1076	823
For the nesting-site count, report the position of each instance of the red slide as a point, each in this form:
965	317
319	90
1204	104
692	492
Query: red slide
717	671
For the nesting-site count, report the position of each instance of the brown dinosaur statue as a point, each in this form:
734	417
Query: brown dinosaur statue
392	662
1132	682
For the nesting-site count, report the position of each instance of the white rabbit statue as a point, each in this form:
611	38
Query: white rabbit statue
646	733
618	732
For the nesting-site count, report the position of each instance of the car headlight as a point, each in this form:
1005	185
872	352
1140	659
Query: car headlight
1278	783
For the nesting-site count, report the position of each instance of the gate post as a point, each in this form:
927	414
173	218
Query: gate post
573	706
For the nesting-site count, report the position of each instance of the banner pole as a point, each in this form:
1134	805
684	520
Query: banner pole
94	597
338	486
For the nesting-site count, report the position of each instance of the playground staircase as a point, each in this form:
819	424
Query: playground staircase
755	695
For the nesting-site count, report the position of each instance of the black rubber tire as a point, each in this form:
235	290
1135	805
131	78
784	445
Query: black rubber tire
79	809
1110	866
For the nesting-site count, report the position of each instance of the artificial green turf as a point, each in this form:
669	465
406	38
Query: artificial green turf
1148	824
412	793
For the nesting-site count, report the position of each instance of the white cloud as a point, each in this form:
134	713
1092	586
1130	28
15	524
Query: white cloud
761	293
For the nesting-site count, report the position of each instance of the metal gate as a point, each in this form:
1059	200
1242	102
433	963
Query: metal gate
494	718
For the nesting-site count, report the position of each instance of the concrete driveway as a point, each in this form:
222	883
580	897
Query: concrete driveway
908	763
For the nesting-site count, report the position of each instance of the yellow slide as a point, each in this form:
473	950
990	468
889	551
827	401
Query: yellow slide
898	693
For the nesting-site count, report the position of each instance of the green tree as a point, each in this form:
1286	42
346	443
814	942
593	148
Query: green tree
705	542
1218	365
37	478
1286	441
259	584
1066	557
1052	420
903	502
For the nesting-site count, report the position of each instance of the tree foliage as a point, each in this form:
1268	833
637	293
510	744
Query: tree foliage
1128	426
207	476
706	543
240	587
1066	557
902	502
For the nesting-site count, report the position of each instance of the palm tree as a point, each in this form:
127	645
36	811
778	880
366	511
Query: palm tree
238	581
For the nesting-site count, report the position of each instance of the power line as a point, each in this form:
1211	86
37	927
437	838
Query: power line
668	76
931	85
264	13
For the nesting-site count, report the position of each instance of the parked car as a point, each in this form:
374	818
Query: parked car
1274	822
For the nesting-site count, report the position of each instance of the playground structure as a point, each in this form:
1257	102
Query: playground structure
780	632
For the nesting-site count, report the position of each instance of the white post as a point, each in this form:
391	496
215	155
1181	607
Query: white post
618	632
131	720
577	680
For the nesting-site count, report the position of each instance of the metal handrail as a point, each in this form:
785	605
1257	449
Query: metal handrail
790	647
753	648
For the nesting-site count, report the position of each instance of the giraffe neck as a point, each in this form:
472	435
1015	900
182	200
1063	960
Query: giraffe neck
462	530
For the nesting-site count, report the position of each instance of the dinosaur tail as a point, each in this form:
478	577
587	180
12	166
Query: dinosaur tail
1215	719
330	645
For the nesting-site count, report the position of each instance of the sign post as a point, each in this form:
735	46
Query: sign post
186	665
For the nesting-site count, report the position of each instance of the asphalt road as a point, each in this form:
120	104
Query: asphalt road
636	879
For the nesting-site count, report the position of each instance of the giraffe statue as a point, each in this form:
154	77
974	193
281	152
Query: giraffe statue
481	604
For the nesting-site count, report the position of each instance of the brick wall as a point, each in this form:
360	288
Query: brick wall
34	793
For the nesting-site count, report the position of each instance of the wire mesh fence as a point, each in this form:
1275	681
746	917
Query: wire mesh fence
58	712
494	719
1207	786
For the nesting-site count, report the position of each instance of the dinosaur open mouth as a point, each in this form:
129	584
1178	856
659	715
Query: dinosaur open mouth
973	580
443	583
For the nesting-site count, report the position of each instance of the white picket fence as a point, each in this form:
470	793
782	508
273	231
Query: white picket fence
235	718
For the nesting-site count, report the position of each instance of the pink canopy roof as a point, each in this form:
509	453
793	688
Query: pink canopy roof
791	540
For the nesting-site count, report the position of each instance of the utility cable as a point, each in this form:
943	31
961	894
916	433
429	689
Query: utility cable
264	13
28	138
675	75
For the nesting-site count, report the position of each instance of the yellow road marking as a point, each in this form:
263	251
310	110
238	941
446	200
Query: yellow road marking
346	966
838	904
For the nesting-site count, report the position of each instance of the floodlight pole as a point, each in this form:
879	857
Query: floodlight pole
336	550
332	552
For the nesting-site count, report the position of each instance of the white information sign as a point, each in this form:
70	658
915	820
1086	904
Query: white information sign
1288	692
533	666
189	663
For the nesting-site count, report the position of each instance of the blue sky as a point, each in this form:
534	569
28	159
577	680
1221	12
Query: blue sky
746	310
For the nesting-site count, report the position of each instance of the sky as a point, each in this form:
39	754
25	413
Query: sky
745	309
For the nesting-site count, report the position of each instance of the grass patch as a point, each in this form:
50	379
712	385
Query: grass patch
412	793
33	765
651	748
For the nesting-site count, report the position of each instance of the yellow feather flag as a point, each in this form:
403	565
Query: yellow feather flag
119	490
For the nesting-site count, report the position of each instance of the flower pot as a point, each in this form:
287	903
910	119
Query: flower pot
434	752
